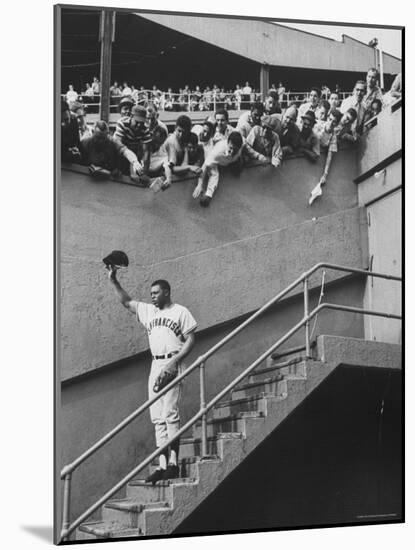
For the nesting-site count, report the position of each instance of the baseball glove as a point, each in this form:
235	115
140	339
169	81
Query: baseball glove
164	378
116	259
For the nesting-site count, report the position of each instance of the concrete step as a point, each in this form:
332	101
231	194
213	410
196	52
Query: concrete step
296	365
127	513
257	402
188	465
104	530
191	447
271	385
146	493
232	423
278	355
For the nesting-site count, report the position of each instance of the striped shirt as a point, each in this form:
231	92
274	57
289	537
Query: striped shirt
133	138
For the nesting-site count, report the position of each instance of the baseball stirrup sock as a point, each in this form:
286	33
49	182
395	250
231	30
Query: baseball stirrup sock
163	460
174	452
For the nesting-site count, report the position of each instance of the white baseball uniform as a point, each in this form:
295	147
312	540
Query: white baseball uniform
166	329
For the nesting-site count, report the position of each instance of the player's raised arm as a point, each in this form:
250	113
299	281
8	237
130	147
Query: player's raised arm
123	296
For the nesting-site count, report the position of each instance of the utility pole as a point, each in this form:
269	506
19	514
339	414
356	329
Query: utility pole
106	37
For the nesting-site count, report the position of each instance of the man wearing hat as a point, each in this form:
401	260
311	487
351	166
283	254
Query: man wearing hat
132	132
309	141
125	106
263	143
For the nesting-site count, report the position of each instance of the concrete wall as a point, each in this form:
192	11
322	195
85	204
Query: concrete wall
257	236
382	141
268	42
96	402
382	197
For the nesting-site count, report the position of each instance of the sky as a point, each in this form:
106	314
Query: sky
388	39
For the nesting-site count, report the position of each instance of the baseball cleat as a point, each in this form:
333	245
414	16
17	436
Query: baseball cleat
205	201
157	475
172	472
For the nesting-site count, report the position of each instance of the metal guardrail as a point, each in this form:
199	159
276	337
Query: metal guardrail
196	101
66	473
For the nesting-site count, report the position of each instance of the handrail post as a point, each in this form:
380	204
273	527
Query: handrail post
66	512
307	324
202	406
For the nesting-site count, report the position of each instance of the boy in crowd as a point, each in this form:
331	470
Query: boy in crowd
176	147
79	111
322	111
158	153
132	132
346	130
70	139
289	132
125	106
328	142
311	105
153	120
309	144
224	153
263	143
101	152
334	101
223	128
195	151
250	119
374	109
205	133
271	104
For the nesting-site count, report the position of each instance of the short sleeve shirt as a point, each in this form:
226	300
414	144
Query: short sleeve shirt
175	151
167	327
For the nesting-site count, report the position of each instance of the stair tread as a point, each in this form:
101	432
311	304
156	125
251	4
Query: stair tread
166	483
107	529
134	505
219	435
277	366
256	397
191	459
288	351
269	380
232	417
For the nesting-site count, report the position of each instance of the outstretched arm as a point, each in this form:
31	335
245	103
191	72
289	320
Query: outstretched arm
323	178
123	296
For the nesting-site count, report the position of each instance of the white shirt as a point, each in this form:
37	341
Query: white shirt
167	327
71	96
126	91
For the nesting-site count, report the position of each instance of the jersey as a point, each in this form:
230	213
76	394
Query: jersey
167	327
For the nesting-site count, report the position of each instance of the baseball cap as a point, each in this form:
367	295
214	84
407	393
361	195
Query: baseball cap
269	121
127	100
139	113
310	116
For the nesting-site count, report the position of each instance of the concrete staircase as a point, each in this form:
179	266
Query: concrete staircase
235	428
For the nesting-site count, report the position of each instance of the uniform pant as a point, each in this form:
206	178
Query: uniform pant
164	413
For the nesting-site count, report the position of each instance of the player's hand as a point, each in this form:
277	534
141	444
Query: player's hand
172	367
195	169
197	191
112	273
138	168
263	159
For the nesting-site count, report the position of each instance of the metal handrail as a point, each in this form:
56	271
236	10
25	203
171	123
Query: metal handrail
66	472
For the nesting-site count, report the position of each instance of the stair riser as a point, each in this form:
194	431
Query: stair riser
123	518
195	449
149	493
186	469
277	388
293	370
221	427
253	405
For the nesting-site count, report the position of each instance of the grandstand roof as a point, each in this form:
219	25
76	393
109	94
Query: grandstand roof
277	45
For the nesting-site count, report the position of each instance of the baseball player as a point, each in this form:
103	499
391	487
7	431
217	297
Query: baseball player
170	328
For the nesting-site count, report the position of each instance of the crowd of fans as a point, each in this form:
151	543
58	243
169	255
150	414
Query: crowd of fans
142	148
